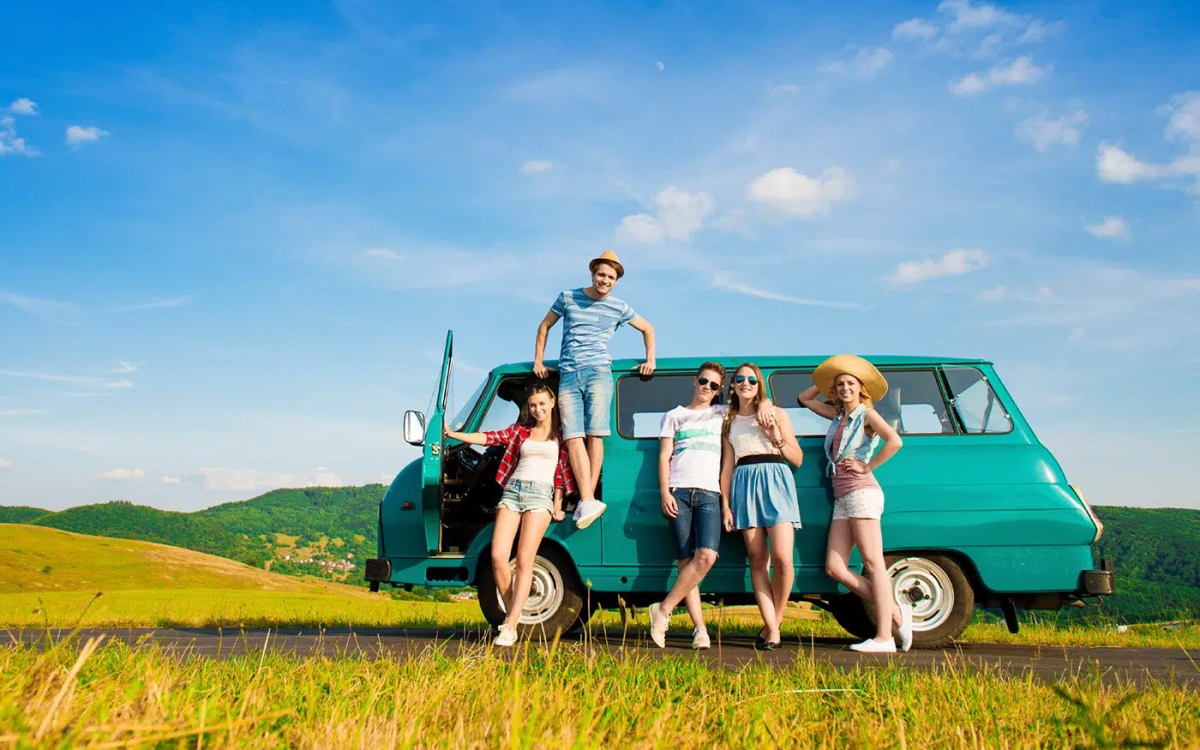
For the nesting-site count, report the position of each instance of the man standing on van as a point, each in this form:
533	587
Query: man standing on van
585	384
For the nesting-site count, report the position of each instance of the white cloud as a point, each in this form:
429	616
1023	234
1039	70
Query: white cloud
20	412
158	304
995	294
123	368
966	16
798	194
252	480
723	282
5	463
104	384
23	106
660	66
1044	132
121	474
10	143
1020	72
170	480
1184	112
537	166
1113	164
678	214
914	28
868	63
1037	30
733	221
77	134
36	305
1113	227
1076	333
953	263
382	252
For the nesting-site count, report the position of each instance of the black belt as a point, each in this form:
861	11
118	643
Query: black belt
762	458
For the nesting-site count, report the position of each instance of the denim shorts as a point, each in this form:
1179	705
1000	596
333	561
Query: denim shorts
524	495
584	402
698	525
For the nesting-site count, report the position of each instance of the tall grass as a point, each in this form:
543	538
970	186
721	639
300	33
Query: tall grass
555	696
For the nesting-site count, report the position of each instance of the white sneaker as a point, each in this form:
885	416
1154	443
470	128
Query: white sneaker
658	626
906	626
507	637
588	511
872	646
700	640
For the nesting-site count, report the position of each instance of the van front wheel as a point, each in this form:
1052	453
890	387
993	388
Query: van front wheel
940	593
556	597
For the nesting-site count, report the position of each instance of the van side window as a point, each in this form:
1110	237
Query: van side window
976	404
501	412
785	386
641	404
914	404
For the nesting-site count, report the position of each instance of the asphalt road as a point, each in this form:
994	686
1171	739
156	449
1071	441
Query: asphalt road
1136	665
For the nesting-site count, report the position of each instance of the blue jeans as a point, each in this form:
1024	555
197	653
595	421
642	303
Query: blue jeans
698	525
524	495
585	401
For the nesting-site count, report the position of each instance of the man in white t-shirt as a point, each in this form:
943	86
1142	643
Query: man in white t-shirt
689	475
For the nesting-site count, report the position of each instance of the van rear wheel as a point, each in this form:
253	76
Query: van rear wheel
556	596
941	595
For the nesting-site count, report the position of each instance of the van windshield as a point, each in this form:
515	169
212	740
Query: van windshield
468	406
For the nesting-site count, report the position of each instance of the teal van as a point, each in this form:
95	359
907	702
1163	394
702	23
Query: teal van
978	511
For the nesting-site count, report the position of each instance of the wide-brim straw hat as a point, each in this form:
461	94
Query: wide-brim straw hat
873	382
609	257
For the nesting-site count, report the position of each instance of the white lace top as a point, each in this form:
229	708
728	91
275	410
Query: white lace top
748	439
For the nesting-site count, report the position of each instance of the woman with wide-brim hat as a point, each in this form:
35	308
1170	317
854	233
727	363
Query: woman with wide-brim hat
850	385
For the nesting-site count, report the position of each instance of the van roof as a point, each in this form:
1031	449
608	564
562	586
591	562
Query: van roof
688	364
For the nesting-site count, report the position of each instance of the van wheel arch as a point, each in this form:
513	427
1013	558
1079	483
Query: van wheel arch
553	567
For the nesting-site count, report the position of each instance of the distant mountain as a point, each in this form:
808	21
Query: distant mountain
329	531
321	531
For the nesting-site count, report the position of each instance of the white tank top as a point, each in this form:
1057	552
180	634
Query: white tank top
748	439
539	459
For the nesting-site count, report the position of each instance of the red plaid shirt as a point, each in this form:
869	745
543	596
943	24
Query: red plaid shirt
514	437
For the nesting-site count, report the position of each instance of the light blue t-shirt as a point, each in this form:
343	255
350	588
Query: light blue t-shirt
588	324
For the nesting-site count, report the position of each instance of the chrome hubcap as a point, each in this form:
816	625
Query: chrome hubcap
545	593
927	587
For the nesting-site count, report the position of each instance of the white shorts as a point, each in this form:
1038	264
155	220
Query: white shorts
864	503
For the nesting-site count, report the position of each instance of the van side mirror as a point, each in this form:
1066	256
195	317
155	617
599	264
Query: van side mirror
414	427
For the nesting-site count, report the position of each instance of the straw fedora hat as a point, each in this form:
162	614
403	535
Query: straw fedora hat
874	384
609	257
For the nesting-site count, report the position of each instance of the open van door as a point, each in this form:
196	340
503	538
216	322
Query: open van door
431	465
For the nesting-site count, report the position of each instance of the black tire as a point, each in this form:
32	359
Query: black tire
942	596
851	613
552	572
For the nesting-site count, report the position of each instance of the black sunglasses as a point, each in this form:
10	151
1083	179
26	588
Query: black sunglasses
745	378
703	381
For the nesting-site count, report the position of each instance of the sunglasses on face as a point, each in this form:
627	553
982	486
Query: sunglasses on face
703	381
745	379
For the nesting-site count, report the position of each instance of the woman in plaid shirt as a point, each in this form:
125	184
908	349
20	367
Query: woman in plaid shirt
535	475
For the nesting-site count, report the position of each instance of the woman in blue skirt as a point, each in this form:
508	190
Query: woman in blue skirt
758	496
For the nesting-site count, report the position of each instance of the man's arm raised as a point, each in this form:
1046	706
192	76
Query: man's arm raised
539	349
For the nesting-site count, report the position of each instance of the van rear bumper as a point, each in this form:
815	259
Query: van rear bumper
1098	582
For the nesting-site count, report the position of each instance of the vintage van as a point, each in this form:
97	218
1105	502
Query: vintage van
978	511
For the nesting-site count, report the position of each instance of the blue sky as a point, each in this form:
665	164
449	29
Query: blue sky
233	238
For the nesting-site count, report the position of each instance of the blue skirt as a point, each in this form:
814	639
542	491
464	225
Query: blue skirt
764	495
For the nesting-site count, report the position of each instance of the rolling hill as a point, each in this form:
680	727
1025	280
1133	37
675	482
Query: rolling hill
328	531
36	559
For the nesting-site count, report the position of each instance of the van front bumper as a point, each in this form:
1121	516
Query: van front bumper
431	572
1098	582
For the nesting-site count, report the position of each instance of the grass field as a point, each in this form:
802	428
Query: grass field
152	585
563	696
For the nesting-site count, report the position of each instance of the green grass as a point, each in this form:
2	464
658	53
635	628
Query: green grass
561	696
